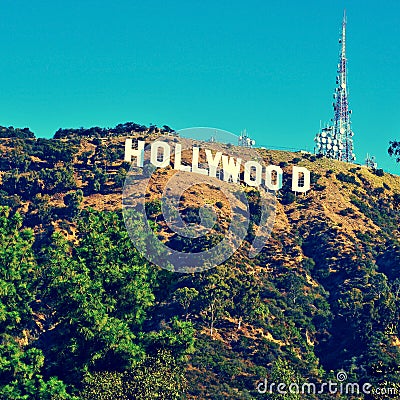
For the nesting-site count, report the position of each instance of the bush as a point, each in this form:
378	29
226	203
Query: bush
153	207
219	204
12	201
328	173
314	177
319	187
120	176
288	198
296	160
73	201
347	178
346	211
308	264
12	132
255	206
192	216
378	191
396	199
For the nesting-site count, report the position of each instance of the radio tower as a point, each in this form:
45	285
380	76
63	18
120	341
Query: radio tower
337	141
245	141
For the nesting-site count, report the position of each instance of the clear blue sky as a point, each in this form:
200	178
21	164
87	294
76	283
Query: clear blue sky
268	66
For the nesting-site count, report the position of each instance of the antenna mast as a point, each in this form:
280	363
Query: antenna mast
341	122
244	140
337	141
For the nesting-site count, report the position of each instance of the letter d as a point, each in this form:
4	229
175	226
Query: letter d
296	177
259	386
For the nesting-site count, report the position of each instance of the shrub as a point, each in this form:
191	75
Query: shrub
153	207
396	199
378	191
328	173
73	201
288	198
12	132
346	211
314	177
346	178
319	187
120	177
296	160
308	264
192	215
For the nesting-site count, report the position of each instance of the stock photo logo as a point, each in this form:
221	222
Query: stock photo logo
198	163
338	386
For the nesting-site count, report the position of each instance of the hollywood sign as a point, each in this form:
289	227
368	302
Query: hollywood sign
254	174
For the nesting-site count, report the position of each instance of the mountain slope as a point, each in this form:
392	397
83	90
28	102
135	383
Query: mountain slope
323	295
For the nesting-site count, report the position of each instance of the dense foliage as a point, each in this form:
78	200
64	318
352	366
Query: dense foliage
84	316
77	312
12	132
127	127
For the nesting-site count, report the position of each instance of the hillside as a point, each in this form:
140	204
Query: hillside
322	296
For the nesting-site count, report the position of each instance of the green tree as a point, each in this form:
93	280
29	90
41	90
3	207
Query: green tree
85	157
283	373
184	296
73	201
21	364
215	296
120	177
19	159
96	296
156	377
56	180
40	205
96	180
394	149
17	268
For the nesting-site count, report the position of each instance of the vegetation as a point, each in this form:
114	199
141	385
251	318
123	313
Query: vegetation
346	178
12	132
394	149
379	172
84	316
120	129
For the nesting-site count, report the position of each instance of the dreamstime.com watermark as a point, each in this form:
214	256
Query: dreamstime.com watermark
180	164
196	157
340	386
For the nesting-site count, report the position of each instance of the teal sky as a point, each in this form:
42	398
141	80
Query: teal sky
268	66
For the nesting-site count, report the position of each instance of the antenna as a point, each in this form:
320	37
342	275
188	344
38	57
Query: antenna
340	145
370	162
244	140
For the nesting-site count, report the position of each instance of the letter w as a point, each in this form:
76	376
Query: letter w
231	168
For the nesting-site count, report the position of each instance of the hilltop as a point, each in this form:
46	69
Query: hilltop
323	295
